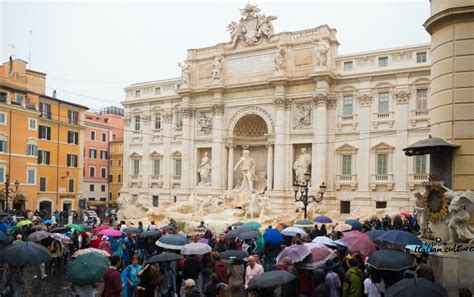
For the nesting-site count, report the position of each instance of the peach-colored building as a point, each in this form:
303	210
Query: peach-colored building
101	129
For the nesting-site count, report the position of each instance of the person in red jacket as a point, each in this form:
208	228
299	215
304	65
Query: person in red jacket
219	268
112	283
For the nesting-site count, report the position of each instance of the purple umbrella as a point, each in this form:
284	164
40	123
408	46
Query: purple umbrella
297	253
322	219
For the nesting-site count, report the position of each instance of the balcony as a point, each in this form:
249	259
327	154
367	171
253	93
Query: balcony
135	180
419	116
346	180
347	120
379	118
381	180
416	179
45	114
156	181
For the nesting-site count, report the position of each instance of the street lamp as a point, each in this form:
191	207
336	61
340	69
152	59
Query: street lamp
304	198
8	191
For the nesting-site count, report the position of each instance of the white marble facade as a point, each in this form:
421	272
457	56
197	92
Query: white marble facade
274	94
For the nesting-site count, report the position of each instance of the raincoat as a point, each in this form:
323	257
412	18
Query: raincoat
130	274
352	286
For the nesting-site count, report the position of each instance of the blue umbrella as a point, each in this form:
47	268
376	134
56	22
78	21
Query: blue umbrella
322	219
172	241
374	234
3	227
400	237
356	225
48	222
273	237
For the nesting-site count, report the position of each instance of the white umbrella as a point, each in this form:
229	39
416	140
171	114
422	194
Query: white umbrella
63	238
292	231
324	240
196	249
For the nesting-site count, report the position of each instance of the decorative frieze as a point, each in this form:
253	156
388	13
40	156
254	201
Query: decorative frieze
402	97
204	123
302	116
365	100
218	108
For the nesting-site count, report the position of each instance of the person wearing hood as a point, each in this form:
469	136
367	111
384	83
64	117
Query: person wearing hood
220	268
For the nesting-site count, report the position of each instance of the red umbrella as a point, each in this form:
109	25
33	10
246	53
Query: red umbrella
100	228
405	214
359	242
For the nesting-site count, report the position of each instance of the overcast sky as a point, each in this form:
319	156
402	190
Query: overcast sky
92	50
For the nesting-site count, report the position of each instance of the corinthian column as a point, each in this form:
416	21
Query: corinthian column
319	157
186	145
281	155
269	166
217	142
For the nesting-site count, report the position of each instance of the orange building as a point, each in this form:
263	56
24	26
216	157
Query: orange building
41	140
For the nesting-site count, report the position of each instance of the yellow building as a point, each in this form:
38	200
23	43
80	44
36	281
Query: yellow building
41	142
116	168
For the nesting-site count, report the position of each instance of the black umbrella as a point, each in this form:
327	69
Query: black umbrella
271	279
415	287
234	233
151	233
238	224
248	235
164	257
38	236
394	260
233	254
130	230
25	253
4	239
60	230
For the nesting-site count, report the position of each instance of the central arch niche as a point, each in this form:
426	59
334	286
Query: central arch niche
250	126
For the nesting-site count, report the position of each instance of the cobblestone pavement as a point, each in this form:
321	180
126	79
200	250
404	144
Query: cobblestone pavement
53	286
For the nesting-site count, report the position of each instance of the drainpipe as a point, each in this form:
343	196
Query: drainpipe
57	159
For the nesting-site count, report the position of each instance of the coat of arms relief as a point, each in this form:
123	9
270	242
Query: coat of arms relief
252	27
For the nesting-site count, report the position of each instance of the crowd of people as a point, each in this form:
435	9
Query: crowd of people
133	271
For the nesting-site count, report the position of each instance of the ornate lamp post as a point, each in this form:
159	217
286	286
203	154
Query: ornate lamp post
303	190
9	191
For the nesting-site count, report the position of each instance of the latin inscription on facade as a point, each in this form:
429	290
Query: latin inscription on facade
250	65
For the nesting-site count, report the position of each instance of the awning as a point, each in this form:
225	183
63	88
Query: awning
428	145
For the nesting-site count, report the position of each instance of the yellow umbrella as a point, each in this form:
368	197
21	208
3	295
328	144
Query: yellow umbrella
24	223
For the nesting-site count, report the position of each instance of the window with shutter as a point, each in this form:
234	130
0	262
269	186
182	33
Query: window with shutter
347	105
382	164
347	164
177	168
156	167
420	164
421	99
383	102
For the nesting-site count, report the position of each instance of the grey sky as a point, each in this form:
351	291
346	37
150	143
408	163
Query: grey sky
95	49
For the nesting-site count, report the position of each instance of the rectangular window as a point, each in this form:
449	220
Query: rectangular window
420	164
347	164
156	200
177	168
19	99
137	94
421	57
72	137
382	163
43	184
111	163
91	188
71	160
119	162
103	155
136	167
92	171
347	103
179	120
32	150
137	123
383	102
71	186
92	135
72	116
383	61
421	99
345	207
2	173
43	157
102	188
32	124
3	118
111	178
157	121
103	172
92	154
156	167
381	204
45	110
31	176
348	66
44	132
104	137
158	91
119	178
3	146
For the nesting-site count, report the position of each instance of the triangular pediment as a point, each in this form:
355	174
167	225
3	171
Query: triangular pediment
135	155
346	147
382	146
156	155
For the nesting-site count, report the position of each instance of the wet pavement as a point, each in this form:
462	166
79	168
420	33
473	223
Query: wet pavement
56	285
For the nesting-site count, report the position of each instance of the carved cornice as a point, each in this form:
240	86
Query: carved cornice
402	97
365	99
218	108
282	102
321	99
188	111
167	116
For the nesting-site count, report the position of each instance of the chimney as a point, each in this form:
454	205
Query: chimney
54	93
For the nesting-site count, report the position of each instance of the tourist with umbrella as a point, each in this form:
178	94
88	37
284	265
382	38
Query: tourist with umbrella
219	268
112	281
253	269
374	286
149	280
129	277
352	286
56	249
167	284
85	272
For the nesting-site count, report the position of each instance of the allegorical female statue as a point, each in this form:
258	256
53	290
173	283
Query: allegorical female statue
302	166
204	170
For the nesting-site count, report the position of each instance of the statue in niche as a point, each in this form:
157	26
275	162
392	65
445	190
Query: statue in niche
204	124
217	68
303	116
302	166
460	209
321	53
204	170
247	166
185	76
279	60
420	214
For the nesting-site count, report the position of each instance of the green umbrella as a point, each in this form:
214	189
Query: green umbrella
75	227
87	269
252	225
